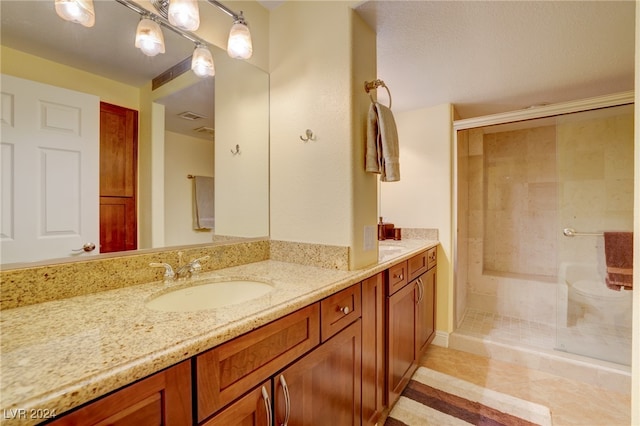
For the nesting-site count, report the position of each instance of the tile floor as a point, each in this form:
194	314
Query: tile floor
586	338
572	403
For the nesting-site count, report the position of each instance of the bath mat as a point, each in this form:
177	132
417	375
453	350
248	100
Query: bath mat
434	398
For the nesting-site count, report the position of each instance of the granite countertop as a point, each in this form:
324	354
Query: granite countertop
60	354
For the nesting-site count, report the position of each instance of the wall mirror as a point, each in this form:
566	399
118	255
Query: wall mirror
235	132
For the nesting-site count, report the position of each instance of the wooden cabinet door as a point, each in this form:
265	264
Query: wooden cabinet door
253	409
373	346
401	322
117	224
425	312
226	372
161	399
118	178
323	387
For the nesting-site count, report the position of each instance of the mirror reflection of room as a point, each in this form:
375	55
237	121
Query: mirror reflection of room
146	198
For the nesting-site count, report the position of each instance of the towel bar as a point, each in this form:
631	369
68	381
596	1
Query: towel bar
570	232
371	85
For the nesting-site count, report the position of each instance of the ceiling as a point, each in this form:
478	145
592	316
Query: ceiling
488	57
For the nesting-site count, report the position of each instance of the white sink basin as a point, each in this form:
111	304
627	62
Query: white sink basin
209	296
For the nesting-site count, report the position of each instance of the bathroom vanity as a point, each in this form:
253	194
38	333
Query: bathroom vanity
321	347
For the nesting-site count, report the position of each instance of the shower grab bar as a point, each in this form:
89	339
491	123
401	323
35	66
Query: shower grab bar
570	232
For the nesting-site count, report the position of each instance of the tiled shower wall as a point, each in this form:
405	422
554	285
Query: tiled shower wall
512	214
522	186
520	202
595	158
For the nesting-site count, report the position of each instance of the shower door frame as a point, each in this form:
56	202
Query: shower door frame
616	99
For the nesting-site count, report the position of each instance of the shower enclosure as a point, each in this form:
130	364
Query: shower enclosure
519	278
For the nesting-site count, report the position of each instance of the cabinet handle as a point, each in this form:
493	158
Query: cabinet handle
400	277
287	401
345	310
267	405
420	290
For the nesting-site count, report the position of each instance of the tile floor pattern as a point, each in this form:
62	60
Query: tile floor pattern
572	403
585	337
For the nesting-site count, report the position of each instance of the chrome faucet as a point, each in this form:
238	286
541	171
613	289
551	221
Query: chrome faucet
191	269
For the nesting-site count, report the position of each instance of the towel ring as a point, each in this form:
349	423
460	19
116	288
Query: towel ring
371	85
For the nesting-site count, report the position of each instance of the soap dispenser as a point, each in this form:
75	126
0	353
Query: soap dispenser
381	231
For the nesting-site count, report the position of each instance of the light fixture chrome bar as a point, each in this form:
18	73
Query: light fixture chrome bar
225	9
162	21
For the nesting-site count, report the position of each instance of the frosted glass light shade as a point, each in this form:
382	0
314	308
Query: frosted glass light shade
78	11
202	62
149	37
184	14
239	45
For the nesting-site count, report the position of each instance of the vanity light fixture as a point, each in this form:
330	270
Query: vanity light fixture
184	14
78	11
149	38
202	62
239	45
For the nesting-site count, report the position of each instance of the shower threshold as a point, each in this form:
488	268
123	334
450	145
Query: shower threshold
532	344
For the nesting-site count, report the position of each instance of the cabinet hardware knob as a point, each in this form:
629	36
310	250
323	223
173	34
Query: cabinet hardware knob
400	277
345	310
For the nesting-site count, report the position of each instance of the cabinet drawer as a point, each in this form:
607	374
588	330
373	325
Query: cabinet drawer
226	372
432	257
163	398
339	310
417	265
396	277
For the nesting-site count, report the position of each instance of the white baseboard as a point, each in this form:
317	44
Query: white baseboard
441	339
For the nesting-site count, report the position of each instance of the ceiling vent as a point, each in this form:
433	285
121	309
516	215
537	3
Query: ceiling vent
190	115
205	129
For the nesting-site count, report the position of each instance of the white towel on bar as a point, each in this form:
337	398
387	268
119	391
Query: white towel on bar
203	203
382	152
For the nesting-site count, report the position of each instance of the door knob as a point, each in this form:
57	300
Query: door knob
86	247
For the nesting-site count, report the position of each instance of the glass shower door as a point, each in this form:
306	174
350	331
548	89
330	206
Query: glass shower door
595	194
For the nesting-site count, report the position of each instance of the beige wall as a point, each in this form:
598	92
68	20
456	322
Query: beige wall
184	155
314	184
242	180
423	196
23	65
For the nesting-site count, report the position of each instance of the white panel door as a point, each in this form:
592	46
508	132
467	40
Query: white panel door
49	149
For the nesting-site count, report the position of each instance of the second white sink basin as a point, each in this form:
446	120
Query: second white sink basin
209	296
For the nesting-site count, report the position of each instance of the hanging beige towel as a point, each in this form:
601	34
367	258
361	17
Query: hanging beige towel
618	250
382	152
203	203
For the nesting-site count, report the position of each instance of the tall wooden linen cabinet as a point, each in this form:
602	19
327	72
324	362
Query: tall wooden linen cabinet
118	178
